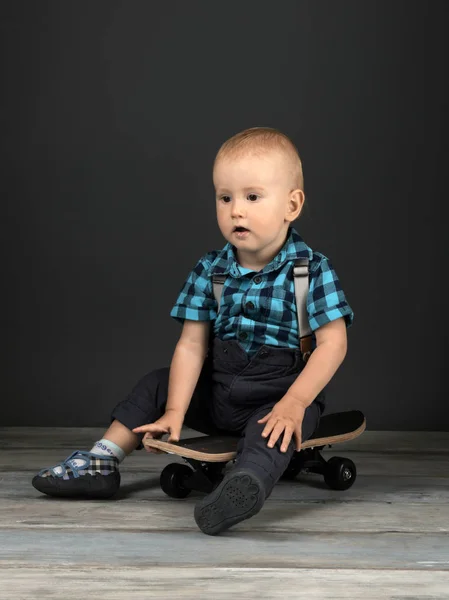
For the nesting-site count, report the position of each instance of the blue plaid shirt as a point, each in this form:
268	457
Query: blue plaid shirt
260	308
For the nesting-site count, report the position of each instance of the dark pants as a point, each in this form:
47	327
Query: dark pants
233	392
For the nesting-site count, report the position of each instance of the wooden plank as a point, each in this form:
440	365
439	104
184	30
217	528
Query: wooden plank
233	548
70	438
100	582
427	465
276	515
385	537
33	461
368	488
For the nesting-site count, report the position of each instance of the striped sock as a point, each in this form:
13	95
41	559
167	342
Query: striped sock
108	448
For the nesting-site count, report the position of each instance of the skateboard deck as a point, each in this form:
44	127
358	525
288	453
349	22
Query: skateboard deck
333	429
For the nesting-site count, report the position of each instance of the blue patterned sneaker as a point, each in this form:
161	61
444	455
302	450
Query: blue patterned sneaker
239	496
81	475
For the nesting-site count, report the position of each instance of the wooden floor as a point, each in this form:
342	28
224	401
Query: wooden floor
386	537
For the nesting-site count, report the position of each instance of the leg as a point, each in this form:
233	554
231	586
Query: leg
249	483
123	437
146	403
95	474
270	463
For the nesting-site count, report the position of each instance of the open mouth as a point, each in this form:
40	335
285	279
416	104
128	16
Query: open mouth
241	233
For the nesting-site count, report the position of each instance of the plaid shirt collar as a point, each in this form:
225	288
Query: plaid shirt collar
226	263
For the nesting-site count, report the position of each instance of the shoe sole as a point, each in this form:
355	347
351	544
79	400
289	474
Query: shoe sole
85	486
235	499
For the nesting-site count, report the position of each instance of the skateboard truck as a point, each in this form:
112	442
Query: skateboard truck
339	473
204	476
178	480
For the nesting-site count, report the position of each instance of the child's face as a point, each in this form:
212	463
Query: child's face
255	192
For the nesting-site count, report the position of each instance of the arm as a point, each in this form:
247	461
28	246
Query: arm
287	415
186	365
185	369
323	362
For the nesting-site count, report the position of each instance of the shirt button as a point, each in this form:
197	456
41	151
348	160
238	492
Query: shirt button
243	335
257	279
249	305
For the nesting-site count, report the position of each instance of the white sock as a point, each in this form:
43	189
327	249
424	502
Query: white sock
105	447
108	448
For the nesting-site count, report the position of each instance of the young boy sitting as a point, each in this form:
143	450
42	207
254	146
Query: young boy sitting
238	369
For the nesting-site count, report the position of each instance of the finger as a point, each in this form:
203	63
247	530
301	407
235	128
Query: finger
150	428
288	433
269	427
279	428
142	429
266	417
148	436
298	436
175	435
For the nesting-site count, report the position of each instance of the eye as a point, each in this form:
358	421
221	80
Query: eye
252	198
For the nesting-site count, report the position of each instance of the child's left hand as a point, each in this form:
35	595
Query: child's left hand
286	416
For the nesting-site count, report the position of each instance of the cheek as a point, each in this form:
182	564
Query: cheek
222	218
220	212
269	214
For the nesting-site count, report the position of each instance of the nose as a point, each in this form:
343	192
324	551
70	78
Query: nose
237	208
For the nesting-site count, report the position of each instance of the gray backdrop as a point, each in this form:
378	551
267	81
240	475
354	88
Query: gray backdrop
111	115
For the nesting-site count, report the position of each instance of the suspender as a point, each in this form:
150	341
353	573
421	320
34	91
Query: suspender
301	281
217	283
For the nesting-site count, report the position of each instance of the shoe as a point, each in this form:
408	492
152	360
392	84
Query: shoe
96	477
238	497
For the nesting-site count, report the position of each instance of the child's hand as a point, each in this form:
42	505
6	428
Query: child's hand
170	422
286	416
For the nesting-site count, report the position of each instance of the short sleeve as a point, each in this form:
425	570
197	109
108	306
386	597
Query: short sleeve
326	300
196	300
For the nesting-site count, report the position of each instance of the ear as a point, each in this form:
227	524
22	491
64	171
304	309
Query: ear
295	203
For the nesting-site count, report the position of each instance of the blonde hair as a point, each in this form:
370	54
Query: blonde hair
260	140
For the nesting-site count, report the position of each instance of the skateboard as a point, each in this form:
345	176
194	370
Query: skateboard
208	456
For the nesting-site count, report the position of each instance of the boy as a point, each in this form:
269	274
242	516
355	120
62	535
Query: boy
238	369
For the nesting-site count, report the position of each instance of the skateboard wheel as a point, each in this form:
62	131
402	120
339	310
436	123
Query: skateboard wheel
173	478
340	473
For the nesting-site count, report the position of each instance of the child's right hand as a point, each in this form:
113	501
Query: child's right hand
170	422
